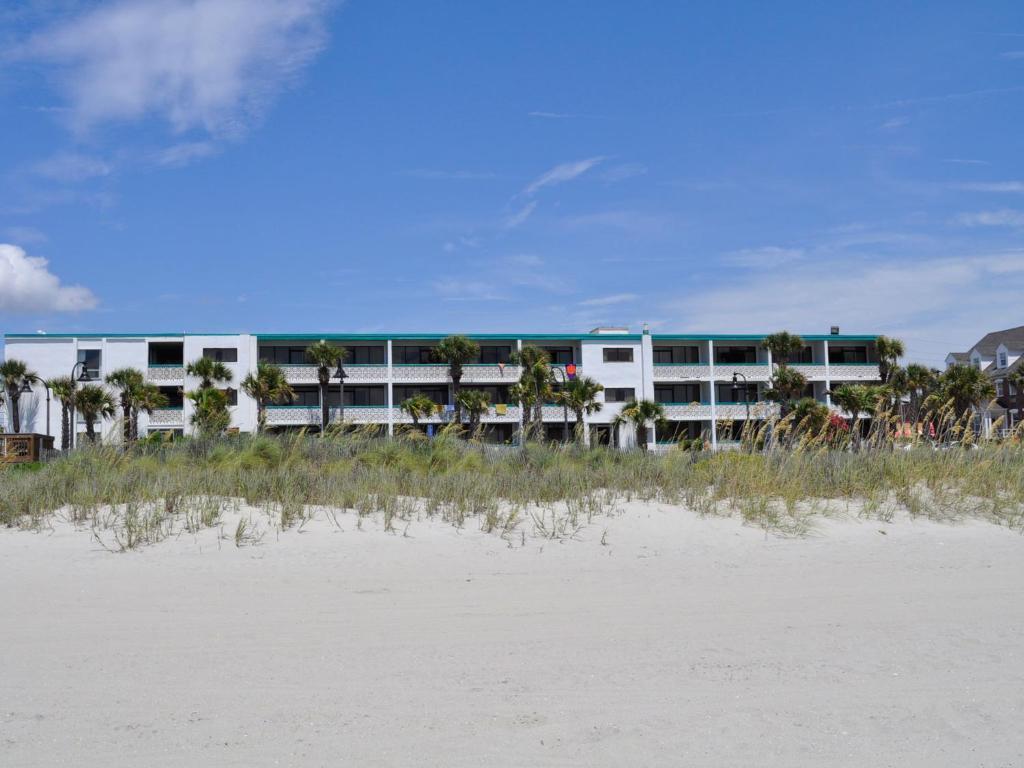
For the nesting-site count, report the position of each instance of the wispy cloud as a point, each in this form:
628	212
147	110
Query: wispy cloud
894	122
766	257
28	287
466	290
72	167
561	174
1004	217
26	235
965	161
623	171
550	115
989	186
520	216
630	221
198	64
1012	55
605	301
184	153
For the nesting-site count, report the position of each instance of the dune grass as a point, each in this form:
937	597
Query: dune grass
152	490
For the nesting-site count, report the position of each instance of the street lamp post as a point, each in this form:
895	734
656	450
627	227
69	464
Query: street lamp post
746	397
83	377
341	376
565	405
26	389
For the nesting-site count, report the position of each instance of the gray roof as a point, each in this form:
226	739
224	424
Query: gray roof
1013	338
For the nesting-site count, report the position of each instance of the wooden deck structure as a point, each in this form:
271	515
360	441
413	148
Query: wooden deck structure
25	447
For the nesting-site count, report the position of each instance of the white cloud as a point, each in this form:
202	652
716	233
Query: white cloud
933	304
208	64
604	301
623	171
550	115
28	286
521	215
26	235
72	167
561	174
893	123
1004	217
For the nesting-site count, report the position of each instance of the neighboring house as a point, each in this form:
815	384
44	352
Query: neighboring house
999	354
691	375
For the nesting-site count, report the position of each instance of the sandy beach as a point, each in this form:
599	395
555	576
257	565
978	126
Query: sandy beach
652	638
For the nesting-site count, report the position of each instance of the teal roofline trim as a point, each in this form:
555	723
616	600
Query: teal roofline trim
755	337
610	337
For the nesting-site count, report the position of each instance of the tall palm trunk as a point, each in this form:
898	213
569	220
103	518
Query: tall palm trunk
13	393
90	430
65	425
126	409
261	415
325	409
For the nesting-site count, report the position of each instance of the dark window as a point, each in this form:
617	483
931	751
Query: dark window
166	353
685	354
674	431
283	355
619	394
842	355
618	354
438	394
221	354
560	355
413	355
677	393
494	355
724	393
310	396
91	359
232	394
803	356
496	393
175	398
376	396
735	354
366	355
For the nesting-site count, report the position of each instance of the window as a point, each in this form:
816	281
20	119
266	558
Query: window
375	396
438	394
1002	359
724	393
375	355
413	355
999	388
496	394
90	358
175	398
677	393
802	356
560	355
619	394
494	355
669	355
166	353
841	355
283	355
618	354
232	394
221	354
735	355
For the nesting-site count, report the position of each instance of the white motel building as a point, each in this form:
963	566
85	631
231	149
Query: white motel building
691	375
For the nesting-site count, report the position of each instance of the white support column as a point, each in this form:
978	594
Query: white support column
647	376
828	377
391	394
522	415
714	412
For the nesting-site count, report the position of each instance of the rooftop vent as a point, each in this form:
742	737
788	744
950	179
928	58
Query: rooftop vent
609	330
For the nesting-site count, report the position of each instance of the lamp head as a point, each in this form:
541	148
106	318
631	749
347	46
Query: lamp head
84	376
340	374
26	388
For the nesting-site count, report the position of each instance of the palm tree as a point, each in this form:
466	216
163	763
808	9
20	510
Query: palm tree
535	383
95	404
14	374
148	399
325	356
580	397
1016	380
918	380
209	372
965	387
474	403
856	399
781	345
456	351
786	385
268	385
889	353
809	416
63	388
640	413
418	406
128	381
210	411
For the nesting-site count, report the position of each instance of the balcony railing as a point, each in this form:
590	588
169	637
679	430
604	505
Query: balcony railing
354	374
473	373
854	372
165	372
681	371
282	415
753	371
702	411
166	416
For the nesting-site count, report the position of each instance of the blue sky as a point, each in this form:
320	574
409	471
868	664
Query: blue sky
380	165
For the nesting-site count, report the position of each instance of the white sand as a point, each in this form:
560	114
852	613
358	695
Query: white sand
682	642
